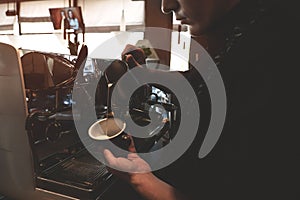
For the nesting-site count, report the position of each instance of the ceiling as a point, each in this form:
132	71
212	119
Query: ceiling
13	1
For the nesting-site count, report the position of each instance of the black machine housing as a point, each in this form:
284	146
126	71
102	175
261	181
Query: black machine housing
63	164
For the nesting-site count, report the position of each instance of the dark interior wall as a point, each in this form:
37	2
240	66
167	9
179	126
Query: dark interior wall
155	18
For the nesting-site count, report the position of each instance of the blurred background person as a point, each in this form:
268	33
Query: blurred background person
73	21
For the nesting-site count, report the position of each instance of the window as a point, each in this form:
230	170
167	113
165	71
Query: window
35	17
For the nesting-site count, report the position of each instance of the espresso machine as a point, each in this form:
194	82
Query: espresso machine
62	162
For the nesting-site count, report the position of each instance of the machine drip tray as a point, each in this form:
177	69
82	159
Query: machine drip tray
80	176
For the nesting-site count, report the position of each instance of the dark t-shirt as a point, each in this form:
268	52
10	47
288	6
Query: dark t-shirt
257	156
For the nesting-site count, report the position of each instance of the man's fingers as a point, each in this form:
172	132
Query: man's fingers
131	61
138	56
132	156
109	156
128	48
131	147
122	164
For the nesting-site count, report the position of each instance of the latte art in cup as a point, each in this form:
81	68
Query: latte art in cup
106	129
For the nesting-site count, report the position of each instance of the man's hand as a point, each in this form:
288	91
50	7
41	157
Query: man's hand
125	167
143	181
133	56
129	169
132	164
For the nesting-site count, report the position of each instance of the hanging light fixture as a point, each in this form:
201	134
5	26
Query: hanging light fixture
123	22
10	12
